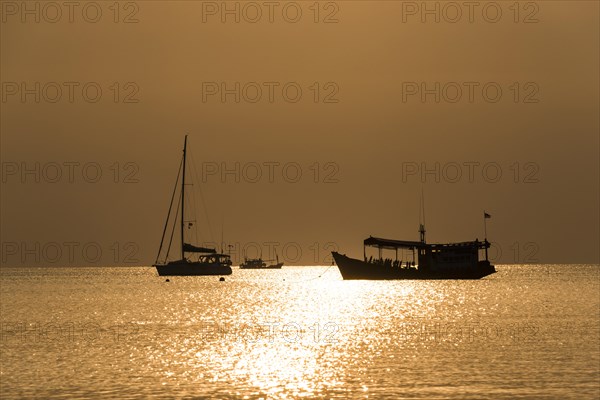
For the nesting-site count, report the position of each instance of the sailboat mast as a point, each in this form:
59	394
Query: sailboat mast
183	198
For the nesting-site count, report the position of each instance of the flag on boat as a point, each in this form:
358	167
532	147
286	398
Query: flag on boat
486	215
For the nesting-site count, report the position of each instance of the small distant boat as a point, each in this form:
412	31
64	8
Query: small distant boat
434	260
253	263
206	260
258	263
277	265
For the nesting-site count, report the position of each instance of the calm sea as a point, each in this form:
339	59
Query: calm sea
529	331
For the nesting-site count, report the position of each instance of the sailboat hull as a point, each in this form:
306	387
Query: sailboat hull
187	268
351	268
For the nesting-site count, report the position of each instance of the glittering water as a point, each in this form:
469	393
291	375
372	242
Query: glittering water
525	332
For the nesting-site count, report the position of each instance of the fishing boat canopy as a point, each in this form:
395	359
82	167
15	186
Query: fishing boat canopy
405	244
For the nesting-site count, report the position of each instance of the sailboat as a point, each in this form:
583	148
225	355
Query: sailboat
195	260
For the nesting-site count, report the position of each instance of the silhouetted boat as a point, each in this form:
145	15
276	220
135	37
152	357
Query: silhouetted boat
208	261
275	266
434	261
253	263
258	263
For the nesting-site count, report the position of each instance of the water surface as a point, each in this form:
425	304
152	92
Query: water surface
525	332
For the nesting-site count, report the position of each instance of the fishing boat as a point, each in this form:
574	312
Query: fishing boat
429	260
253	263
194	260
258	263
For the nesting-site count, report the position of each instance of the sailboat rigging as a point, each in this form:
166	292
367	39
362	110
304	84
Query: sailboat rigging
208	261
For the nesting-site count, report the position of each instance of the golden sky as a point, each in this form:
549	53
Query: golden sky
389	90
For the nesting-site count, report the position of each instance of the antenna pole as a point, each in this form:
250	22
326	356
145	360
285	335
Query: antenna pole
484	226
183	198
422	212
423	194
485	215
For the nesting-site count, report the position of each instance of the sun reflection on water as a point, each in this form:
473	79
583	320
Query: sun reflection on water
287	335
294	340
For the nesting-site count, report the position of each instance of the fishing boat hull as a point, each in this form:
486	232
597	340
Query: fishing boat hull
353	269
187	268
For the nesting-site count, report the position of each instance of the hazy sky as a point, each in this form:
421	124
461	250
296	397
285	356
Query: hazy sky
360	103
